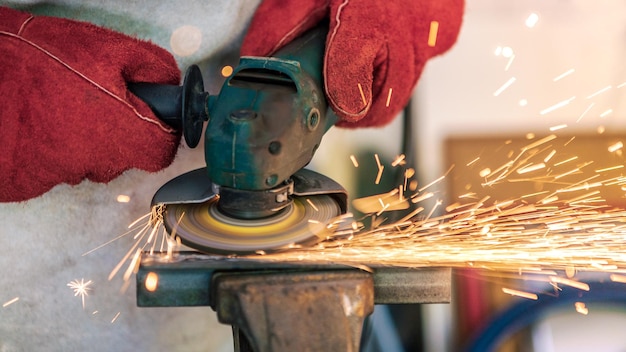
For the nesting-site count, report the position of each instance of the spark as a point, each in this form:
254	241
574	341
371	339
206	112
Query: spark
611	168
377	160
432	33
432	183
472	162
606	113
131	231
561	229
422	197
558	127
362	94
437	180
557	106
615	147
380	169
544	235
504	86
528	295
122	198
532	20
584	112
408	173
539	142
389	97
227	71
354	161
508	64
115	317
152	281
569	282
398	160
81	288
149	235
133	266
379	174
599	92
9	302
567	173
586	186
531	168
563	75
566	161
507	52
621	85
581	308
618	278
531	195
411	215
549	156
549	200
312	204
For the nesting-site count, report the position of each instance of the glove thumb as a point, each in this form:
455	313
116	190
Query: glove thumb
348	78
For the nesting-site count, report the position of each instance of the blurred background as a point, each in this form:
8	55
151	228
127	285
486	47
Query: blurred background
520	70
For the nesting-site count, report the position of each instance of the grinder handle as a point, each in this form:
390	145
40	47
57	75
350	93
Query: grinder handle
181	107
164	100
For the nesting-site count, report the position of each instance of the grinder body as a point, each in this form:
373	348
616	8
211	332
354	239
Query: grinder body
264	124
269	117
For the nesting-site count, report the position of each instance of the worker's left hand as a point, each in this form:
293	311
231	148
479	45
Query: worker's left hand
67	114
375	49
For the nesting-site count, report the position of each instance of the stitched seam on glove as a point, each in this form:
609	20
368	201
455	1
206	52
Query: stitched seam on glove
24	25
297	28
103	89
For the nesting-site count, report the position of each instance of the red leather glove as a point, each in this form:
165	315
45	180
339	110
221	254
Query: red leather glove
66	112
380	45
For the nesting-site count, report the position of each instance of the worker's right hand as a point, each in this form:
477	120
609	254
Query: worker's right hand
375	49
66	114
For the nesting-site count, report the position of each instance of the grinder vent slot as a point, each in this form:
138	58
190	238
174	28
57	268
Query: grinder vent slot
258	78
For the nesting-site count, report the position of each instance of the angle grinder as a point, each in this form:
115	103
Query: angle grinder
262	129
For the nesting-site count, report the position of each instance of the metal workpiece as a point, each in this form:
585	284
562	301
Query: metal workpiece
285	306
393	285
187	279
310	311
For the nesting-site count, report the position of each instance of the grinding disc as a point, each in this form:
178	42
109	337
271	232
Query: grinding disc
203	227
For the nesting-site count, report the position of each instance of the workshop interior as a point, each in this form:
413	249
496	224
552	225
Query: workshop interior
485	216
